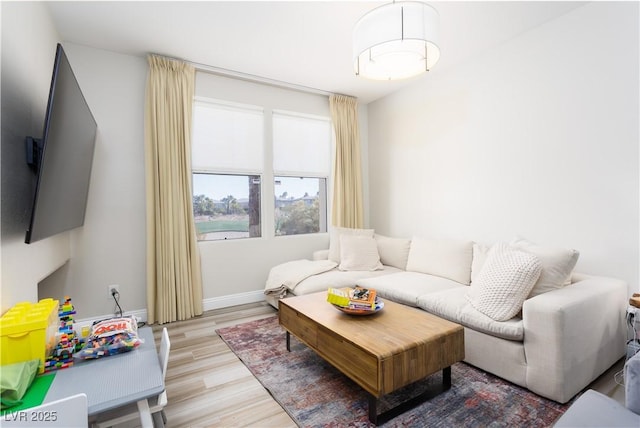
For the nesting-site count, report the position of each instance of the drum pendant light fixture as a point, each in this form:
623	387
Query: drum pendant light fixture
396	41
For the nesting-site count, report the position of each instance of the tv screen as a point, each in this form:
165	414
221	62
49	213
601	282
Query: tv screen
63	157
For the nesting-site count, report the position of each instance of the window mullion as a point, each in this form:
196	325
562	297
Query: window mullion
268	192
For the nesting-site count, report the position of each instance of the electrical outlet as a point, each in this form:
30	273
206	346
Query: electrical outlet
111	288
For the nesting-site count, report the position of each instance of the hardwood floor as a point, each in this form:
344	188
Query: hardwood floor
208	386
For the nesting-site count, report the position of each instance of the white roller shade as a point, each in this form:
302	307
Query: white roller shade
301	145
227	137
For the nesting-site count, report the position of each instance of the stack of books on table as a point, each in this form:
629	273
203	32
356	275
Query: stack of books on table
358	298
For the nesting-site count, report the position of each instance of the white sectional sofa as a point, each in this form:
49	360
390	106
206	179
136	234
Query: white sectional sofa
527	316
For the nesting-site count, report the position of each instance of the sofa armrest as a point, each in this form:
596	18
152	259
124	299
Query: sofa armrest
572	335
321	255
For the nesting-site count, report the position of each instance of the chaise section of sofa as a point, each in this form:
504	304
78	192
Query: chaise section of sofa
390	257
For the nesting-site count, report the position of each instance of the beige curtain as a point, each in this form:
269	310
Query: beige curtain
347	179
174	284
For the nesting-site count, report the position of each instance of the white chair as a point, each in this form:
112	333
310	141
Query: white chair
156	404
69	412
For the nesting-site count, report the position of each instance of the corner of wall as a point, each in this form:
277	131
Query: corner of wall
27	61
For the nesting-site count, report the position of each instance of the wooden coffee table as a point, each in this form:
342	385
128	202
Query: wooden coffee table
381	352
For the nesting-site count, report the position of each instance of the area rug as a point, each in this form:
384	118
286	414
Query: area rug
315	394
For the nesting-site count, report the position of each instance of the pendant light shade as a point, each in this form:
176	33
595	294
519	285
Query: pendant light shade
396	41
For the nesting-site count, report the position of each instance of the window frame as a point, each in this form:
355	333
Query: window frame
268	173
260	223
323	206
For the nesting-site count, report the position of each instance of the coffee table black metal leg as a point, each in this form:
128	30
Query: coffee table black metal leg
446	378
429	393
289	343
373	409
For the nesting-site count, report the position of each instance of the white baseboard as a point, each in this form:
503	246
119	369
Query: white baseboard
207	305
233	300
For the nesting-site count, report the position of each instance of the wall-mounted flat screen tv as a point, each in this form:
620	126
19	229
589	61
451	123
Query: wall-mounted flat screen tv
63	157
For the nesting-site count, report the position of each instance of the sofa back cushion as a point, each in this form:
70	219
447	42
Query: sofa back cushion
447	258
480	253
393	251
557	265
334	239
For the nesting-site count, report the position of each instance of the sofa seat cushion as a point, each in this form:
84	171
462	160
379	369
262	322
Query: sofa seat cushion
454	306
406	287
337	278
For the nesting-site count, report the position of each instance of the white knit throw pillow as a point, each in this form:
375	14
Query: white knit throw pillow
507	277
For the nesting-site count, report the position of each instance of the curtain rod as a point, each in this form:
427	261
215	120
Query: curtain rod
257	79
253	78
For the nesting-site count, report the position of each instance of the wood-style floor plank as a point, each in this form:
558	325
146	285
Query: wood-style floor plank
207	385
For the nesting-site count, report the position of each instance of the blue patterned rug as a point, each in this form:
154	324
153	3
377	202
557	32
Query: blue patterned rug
315	394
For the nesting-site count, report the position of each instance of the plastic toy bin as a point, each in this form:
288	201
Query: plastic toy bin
28	332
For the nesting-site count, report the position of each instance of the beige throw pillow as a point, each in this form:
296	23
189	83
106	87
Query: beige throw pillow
359	253
447	258
557	265
507	277
334	239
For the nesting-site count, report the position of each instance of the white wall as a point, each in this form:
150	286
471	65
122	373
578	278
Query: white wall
110	247
28	51
537	137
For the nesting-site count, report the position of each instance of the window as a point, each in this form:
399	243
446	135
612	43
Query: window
227	163
234	147
301	162
226	206
300	205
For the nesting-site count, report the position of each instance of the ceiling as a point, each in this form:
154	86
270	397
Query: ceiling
306	43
